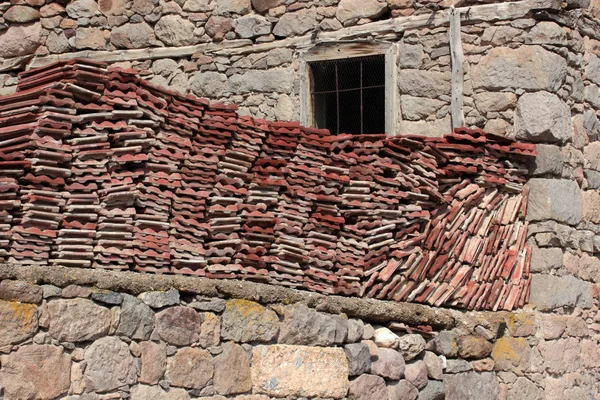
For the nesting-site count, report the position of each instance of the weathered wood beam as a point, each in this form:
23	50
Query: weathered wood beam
457	58
468	15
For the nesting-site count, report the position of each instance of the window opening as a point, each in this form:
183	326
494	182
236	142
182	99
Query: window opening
348	95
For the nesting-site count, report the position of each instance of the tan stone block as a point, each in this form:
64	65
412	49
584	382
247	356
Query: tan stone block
299	371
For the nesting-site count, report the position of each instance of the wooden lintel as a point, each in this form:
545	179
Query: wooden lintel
377	29
457	58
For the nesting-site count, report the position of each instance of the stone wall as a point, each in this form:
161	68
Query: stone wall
509	65
82	342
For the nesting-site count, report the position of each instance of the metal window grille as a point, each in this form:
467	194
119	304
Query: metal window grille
349	94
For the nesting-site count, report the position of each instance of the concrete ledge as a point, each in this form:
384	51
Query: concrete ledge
135	283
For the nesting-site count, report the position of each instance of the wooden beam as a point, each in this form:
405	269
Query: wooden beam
468	15
457	58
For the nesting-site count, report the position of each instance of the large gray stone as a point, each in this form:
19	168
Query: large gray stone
209	84
418	108
419	83
35	372
434	390
78	320
20	40
110	365
305	326
159	299
82	9
524	389
389	364
410	56
473	347
445	344
545	259
246	321
174	30
367	387
555	199
273	80
547	32
179	326
434	128
250	26
472	386
232	370
136	320
543	117
18	322
411	345
402	390
20	291
592	71
296	23
548	161
232	7
264	5
132	36
190	368
549	292
21	14
350	11
359	358
299	371
591	154
526	67
494	101
143	392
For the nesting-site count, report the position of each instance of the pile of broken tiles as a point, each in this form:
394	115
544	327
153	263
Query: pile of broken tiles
101	169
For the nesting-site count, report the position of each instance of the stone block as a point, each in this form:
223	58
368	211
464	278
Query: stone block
273	80
154	362
18	322
350	11
561	356
136	320
143	392
246	321
110	365
434	365
472	386
389	364
411	345
35	372
549	292
305	326
285	370
434	390
494	101
592	71
418	108
402	390
543	117
174	30
191	368
419	83
521	324
179	325
359	358
160	299
383	337
556	199
511	354
524	389
232	370
296	23
548	161
591	206
473	347
367	387
78	320
546	259
526	67
20	291
20	40
416	373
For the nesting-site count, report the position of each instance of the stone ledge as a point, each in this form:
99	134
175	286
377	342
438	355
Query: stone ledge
135	283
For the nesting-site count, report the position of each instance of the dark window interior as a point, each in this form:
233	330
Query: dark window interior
349	94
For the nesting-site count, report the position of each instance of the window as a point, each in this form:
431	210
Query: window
348	96
349	87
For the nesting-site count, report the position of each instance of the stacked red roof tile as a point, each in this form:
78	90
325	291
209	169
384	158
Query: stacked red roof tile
101	169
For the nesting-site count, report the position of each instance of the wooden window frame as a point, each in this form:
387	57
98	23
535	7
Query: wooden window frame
344	50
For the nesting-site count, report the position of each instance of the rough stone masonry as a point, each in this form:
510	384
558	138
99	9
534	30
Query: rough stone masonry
533	76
